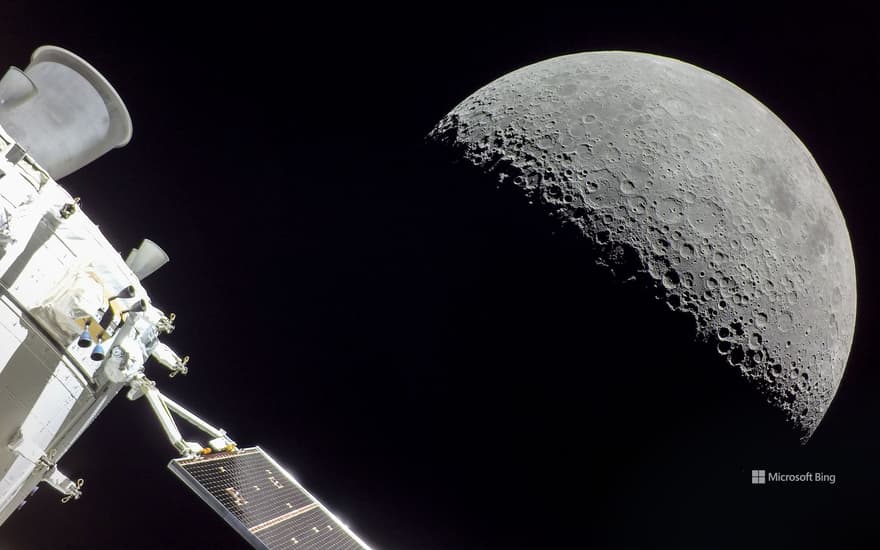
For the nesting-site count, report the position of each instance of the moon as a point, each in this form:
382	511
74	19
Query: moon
686	184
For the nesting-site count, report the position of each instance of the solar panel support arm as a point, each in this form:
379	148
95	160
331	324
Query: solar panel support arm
220	441
163	407
143	385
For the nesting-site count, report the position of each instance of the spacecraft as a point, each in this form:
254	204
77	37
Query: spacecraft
77	325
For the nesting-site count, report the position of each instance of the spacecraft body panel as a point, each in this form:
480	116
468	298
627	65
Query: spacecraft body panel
57	276
77	326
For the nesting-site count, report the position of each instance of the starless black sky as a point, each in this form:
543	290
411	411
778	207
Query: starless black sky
433	358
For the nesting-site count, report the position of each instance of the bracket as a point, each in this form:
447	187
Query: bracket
52	476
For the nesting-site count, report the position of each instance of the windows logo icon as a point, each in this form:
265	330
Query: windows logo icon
759	477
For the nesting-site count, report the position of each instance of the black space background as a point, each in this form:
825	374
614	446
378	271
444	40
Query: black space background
430	356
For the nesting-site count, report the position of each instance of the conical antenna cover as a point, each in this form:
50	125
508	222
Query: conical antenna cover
62	111
146	259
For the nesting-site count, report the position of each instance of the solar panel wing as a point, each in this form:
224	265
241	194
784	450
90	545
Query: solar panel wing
263	502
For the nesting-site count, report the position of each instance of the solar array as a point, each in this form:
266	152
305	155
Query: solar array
263	502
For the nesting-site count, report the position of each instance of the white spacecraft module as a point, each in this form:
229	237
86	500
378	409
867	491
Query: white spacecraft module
77	325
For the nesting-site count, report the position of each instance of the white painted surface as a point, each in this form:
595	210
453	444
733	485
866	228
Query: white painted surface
44	395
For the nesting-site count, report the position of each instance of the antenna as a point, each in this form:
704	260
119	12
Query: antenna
62	111
146	259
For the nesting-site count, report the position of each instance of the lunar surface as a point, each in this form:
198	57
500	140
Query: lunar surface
685	183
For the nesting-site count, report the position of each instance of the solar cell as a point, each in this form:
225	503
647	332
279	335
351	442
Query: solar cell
263	502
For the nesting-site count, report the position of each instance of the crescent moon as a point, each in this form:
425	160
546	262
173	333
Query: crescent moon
725	212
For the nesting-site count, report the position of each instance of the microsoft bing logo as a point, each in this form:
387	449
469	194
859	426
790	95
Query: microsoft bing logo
762	477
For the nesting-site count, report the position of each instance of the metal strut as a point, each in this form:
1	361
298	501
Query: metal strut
163	407
52	476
